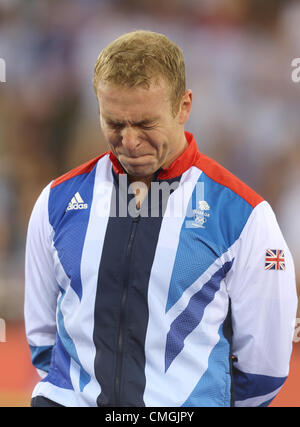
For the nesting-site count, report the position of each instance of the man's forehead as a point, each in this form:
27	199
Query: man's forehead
112	92
138	104
119	112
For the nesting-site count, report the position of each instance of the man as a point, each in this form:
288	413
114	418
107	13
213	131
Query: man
154	277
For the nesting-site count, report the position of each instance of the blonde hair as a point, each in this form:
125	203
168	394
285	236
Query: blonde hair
136	58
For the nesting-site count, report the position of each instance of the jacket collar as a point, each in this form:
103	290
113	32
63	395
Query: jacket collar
187	159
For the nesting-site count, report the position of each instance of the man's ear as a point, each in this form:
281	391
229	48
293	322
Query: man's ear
185	107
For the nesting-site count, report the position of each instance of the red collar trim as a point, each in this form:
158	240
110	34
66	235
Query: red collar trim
184	161
117	167
179	165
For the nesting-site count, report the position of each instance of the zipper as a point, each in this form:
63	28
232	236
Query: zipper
120	346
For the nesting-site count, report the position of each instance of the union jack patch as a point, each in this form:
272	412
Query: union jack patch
274	259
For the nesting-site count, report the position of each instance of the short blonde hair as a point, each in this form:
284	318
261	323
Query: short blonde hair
136	58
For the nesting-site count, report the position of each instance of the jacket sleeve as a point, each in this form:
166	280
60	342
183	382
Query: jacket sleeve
41	288
263	309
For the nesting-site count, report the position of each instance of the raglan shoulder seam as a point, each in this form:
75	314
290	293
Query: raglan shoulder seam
79	170
224	177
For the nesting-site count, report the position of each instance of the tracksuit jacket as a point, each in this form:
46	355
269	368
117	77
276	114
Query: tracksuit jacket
188	301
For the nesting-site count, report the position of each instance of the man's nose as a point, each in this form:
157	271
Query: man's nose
130	140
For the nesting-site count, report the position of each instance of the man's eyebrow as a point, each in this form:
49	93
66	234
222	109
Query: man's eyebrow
144	122
114	122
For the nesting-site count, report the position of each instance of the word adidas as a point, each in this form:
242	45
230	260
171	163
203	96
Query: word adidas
77	203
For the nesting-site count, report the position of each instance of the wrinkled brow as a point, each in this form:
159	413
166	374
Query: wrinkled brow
144	122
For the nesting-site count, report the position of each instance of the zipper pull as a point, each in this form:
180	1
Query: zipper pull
137	218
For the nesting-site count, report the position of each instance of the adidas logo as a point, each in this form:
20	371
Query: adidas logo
77	203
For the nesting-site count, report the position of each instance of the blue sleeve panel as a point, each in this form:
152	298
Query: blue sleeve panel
247	386
41	356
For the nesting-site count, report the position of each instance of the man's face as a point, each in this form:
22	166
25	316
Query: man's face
140	128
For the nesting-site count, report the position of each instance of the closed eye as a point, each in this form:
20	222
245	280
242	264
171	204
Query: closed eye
147	127
116	126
